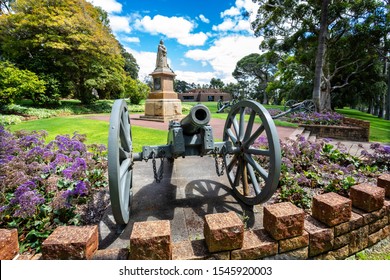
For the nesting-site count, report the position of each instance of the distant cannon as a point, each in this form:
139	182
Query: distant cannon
252	182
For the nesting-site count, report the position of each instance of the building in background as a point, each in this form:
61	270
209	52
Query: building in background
204	95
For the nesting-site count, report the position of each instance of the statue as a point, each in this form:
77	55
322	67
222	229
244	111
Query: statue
161	61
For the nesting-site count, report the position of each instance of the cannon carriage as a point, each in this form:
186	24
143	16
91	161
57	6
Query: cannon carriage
252	181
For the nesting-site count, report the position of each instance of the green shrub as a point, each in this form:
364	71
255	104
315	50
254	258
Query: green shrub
136	91
16	83
9	120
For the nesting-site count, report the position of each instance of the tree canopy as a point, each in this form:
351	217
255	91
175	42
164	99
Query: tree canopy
332	42
68	44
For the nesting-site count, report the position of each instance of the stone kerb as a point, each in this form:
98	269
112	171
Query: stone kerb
384	182
223	232
288	233
331	209
71	243
283	220
151	241
9	245
367	197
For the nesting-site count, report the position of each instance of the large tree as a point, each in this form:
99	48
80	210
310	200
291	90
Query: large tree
334	39
254	72
216	83
65	42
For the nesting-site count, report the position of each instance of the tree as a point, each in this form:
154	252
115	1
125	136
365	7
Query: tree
16	84
336	40
135	90
254	72
216	83
181	86
5	6
67	42
131	67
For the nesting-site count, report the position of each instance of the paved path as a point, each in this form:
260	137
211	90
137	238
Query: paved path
217	125
189	190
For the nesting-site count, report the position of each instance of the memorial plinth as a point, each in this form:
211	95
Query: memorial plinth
162	103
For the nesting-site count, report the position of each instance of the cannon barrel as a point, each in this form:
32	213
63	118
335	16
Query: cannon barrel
198	117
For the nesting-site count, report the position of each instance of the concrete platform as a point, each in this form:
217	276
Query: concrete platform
189	190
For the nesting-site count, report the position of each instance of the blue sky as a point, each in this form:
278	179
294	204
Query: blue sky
204	38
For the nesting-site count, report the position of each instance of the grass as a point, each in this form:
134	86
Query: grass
213	109
95	130
380	251
379	128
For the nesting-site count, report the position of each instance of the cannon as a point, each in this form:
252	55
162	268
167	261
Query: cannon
221	105
252	181
307	106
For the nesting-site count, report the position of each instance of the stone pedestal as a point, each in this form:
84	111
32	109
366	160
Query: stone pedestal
162	110
162	103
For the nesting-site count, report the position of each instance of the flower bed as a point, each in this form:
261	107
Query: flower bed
47	185
310	168
333	125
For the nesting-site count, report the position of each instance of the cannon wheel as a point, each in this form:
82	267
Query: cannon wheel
289	104
120	162
253	181
309	106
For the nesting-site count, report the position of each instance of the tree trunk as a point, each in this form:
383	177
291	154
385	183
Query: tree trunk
388	92
325	100
320	55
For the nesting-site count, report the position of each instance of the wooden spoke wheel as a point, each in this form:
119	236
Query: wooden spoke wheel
120	162
309	106
289	104
253	167
219	104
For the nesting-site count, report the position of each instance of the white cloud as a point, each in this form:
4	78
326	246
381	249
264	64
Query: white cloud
172	27
226	25
145	60
195	77
225	53
233	19
120	24
243	25
110	6
233	11
130	39
204	19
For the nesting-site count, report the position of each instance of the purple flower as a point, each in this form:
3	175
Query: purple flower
27	199
80	189
77	169
3	208
68	173
28	203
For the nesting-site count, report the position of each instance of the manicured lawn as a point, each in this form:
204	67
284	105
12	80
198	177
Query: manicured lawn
379	128
213	109
95	130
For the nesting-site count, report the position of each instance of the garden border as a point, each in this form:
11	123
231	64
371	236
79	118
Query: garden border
353	130
338	228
